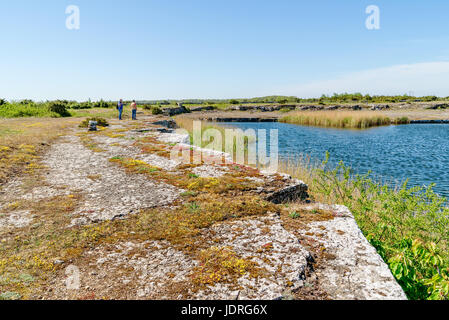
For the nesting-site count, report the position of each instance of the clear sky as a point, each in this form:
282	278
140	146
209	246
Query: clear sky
157	49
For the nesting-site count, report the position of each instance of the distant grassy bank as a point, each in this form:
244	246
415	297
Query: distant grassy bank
324	99
341	119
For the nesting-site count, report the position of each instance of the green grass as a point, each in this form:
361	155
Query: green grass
96	112
55	109
31	110
8	132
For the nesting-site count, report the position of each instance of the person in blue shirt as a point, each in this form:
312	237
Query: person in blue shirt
120	109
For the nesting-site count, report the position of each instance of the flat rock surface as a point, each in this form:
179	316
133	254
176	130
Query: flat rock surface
113	193
266	242
355	271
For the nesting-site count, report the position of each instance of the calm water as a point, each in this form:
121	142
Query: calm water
419	152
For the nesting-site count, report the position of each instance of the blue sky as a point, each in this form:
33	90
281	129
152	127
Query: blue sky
157	49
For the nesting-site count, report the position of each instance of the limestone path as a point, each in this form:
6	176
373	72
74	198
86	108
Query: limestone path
270	262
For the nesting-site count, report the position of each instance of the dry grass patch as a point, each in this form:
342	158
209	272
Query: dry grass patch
22	140
88	142
222	264
233	182
32	250
152	145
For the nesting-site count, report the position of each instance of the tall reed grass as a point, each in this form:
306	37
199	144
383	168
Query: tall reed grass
341	119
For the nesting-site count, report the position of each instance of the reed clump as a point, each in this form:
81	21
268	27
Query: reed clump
341	119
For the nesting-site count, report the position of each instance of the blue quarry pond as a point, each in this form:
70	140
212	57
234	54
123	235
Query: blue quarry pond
418	152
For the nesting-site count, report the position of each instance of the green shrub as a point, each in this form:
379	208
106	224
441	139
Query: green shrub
101	122
233	101
32	109
402	120
82	105
59	108
102	104
295	215
156	110
3	102
26	102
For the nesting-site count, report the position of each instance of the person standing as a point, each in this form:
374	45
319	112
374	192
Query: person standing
134	110
120	109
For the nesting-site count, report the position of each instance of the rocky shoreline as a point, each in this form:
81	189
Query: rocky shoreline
137	224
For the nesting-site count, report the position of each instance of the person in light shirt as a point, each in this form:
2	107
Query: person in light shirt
134	110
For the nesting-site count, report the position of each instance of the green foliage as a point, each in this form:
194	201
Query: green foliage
19	110
358	97
407	226
295	215
3	102
58	107
103	104
323	100
100	122
421	270
156	110
401	120
26	102
81	105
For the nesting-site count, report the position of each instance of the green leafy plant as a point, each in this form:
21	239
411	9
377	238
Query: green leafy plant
59	108
156	110
295	215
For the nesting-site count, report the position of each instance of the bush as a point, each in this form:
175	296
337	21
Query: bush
58	107
102	104
101	122
156	110
233	101
26	102
2	102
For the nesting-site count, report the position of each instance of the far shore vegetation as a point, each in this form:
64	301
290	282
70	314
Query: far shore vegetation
66	108
341	119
